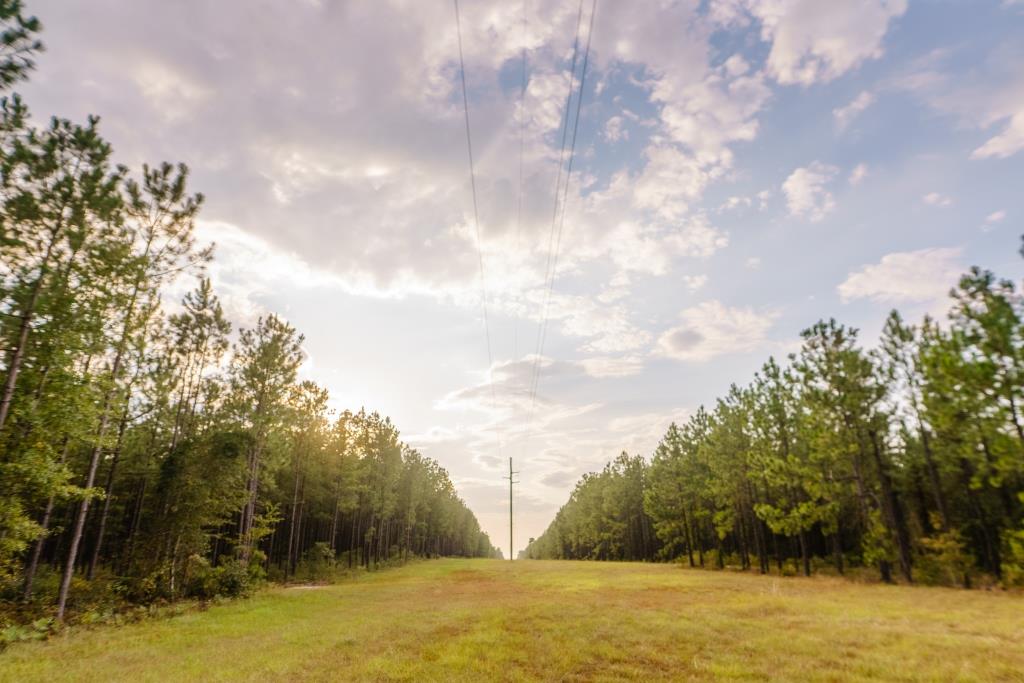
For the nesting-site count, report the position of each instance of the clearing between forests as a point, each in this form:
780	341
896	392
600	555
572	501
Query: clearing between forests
478	620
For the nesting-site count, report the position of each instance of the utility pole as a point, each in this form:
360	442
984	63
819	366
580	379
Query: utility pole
511	480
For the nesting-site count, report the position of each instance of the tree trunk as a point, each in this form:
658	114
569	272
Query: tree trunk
37	550
290	566
18	352
805	555
83	510
686	536
837	550
894	511
933	477
109	489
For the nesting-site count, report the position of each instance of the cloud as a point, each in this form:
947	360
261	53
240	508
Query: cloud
695	282
922	276
711	329
812	41
806	196
991	99
733	203
170	93
241	288
1009	141
613	130
304	149
845	115
559	479
612	366
509	387
670	183
858	174
992	219
936	199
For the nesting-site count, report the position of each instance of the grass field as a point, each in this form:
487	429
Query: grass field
480	620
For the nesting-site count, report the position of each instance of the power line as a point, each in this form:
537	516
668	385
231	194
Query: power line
519	199
476	216
516	410
542	328
554	210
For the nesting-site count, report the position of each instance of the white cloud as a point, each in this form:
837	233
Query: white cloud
695	282
733	203
936	199
858	174
711	329
241	287
1006	143
612	366
845	115
171	94
992	98
812	41
670	182
992	219
805	191
753	262
922	276
613	130
605	325
643	223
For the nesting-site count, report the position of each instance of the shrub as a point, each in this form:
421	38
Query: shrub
1013	558
944	559
318	563
231	579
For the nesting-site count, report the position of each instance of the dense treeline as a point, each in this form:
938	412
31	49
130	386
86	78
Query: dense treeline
139	440
908	458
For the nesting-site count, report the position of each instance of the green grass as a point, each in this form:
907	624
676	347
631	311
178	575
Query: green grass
481	620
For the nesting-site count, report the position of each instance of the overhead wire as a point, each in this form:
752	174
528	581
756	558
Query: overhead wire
519	198
516	411
554	210
560	217
561	191
476	218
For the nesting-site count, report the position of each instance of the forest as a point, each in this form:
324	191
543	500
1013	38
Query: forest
148	451
905	459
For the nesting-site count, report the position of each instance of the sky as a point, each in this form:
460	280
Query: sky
742	169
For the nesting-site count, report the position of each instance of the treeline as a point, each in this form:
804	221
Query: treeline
138	442
908	458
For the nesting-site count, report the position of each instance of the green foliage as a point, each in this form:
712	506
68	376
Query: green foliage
945	559
39	629
318	562
144	445
908	459
1013	554
232	579
18	42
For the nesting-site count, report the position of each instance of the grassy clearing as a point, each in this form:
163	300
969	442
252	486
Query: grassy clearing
479	620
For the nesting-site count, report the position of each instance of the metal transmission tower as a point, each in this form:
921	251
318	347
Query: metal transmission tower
511	480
